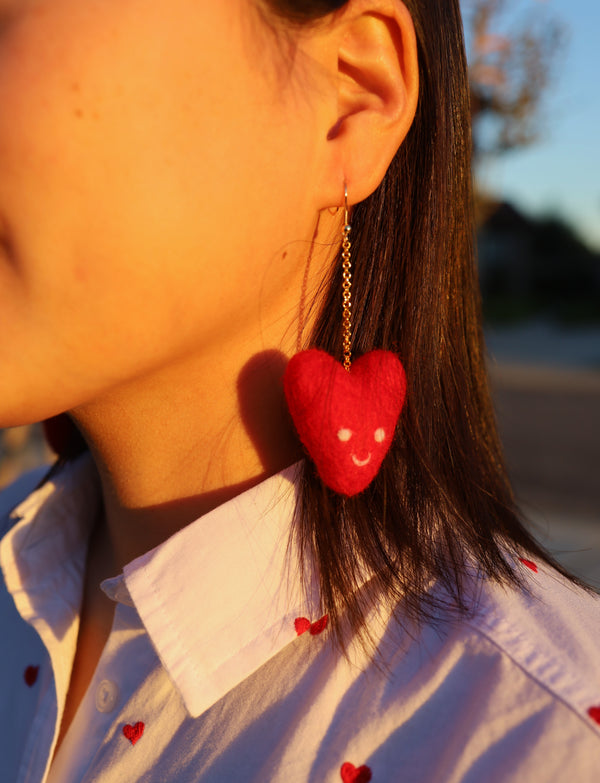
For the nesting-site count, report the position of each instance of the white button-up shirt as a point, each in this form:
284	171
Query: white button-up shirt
218	667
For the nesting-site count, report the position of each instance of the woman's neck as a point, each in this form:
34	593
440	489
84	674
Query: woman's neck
173	446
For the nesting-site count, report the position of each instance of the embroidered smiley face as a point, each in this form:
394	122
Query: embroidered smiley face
361	458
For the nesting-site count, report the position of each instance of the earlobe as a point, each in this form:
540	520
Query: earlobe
377	72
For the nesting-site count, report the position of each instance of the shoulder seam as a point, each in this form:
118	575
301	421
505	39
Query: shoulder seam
586	720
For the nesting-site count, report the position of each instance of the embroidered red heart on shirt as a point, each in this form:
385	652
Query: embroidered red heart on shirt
352	774
30	675
594	713
133	733
302	624
345	419
529	564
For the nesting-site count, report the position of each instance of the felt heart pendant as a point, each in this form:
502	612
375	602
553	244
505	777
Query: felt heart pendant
345	418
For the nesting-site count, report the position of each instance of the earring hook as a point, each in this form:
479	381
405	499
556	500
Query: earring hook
346	212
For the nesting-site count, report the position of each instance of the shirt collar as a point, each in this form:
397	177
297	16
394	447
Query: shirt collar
46	546
221	596
218	598
43	560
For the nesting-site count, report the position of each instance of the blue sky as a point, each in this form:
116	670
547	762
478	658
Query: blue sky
560	173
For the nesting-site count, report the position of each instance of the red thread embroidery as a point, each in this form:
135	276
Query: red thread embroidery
529	564
302	624
133	733
30	675
594	713
352	774
319	625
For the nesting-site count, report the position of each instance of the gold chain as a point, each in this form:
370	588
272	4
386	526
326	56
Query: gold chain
346	288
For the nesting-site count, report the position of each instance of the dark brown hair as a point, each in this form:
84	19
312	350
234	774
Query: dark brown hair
442	500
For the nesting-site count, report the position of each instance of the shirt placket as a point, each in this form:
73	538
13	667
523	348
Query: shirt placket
102	716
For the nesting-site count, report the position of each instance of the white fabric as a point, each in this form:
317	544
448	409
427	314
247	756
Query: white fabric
204	652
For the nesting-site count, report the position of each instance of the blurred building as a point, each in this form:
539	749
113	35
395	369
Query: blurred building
535	267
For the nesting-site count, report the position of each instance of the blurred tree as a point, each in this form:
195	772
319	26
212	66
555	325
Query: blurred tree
513	47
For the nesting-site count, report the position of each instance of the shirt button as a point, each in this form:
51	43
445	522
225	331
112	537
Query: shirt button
107	694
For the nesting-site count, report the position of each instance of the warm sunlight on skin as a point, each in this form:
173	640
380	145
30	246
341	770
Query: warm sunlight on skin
145	208
149	243
163	173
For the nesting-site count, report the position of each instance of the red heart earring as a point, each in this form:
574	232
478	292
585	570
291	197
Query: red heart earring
345	414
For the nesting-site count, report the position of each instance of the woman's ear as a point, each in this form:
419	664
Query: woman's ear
372	48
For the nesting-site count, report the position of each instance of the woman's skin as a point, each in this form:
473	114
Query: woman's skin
163	170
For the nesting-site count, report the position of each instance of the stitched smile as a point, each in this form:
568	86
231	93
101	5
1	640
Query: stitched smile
360	463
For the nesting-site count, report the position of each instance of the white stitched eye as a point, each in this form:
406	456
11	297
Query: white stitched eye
379	435
344	434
